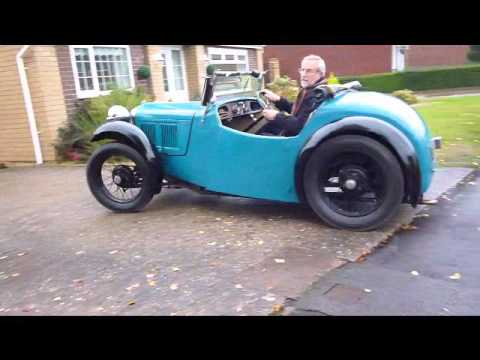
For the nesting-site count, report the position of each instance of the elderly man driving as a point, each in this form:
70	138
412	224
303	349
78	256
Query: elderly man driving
312	74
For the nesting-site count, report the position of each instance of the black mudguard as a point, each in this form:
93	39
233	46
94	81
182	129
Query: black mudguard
374	128
128	134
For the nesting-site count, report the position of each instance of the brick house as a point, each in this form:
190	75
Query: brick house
36	101
366	59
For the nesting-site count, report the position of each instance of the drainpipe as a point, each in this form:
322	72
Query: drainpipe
28	105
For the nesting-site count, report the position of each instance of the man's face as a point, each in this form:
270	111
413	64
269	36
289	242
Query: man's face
309	73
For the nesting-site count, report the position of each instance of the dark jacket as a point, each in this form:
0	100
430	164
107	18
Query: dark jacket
300	110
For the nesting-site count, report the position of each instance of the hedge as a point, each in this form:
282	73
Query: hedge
419	80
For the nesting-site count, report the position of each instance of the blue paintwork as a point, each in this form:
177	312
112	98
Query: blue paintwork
232	162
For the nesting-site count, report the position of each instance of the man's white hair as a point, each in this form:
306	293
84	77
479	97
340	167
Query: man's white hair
319	61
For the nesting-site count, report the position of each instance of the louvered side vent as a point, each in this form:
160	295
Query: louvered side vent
149	130
169	135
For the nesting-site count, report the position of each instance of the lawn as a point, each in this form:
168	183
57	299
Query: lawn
457	121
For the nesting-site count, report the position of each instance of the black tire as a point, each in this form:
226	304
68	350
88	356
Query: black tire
372	165
103	194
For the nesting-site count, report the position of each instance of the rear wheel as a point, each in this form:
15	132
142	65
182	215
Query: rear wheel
120	178
354	182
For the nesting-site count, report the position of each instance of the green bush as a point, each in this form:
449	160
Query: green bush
474	53
406	95
445	78
143	72
73	140
286	87
332	79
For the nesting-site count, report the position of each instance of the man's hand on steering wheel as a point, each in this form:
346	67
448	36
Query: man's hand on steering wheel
269	95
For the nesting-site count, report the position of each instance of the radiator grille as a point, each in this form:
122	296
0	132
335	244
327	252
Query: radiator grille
169	135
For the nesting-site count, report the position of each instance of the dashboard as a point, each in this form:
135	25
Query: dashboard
230	111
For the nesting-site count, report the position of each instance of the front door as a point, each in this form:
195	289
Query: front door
174	77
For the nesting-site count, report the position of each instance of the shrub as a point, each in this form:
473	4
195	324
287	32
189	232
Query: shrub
406	95
73	140
474	53
143	72
332	79
286	87
419	80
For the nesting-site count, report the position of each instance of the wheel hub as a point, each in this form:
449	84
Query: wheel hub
353	179
124	177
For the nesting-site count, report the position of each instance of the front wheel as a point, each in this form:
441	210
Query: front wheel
354	182
120	178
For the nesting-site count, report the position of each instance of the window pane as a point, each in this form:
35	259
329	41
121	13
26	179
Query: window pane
241	57
164	72
215	57
112	67
229	57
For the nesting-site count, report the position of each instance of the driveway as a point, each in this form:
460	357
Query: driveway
61	253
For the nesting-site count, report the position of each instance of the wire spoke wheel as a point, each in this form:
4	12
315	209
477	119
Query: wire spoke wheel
120	178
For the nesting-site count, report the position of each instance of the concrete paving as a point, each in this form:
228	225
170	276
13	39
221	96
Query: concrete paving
430	269
61	253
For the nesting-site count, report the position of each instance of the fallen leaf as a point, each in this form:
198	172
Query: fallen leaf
131	302
134	286
15	275
218	219
227	230
472	183
414	273
239	286
113	252
367	290
269	297
150	276
455	276
175	269
21	254
280	261
408	227
228	222
430	202
211	243
201	232
422	215
78	253
58	298
260	242
152	283
174	287
3	257
278	308
445	309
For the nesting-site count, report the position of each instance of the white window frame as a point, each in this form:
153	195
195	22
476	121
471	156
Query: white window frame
84	94
225	51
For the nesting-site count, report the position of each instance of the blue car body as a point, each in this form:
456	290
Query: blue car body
195	147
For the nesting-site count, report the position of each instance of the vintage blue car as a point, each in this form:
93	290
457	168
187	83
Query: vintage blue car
359	156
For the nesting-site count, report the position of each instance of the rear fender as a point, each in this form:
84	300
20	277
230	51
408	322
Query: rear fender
374	128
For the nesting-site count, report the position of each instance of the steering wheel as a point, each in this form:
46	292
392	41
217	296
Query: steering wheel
268	103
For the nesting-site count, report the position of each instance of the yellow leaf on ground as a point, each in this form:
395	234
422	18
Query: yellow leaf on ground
455	276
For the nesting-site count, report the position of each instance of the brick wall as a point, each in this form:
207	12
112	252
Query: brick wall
340	59
431	55
47	95
15	139
139	58
195	69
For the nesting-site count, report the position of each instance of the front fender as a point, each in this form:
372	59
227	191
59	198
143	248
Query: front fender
126	133
374	128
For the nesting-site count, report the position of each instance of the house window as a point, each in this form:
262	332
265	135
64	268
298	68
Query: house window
97	69
228	59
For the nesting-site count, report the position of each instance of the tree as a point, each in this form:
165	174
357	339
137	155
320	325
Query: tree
474	53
